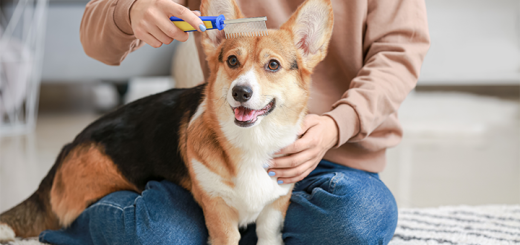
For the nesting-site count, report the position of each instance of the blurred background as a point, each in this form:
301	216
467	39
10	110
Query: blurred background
462	123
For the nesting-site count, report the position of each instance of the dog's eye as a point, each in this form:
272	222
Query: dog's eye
232	61
273	65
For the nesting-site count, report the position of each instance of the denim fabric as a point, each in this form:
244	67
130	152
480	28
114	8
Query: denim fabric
333	205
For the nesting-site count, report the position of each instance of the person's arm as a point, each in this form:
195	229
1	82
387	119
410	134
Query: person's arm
396	42
105	31
111	29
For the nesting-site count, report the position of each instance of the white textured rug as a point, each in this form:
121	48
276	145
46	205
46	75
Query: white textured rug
32	241
461	225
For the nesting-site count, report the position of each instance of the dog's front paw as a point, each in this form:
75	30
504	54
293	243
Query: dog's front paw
270	241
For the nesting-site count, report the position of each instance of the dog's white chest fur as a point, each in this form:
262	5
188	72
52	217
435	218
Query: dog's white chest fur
253	189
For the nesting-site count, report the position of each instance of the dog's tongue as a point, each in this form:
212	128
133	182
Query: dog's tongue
244	114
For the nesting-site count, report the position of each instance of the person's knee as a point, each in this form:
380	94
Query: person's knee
364	212
348	224
371	226
369	213
343	208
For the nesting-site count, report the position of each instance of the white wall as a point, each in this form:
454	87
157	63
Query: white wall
65	60
473	42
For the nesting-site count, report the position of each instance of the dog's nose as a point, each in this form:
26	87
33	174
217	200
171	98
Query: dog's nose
242	93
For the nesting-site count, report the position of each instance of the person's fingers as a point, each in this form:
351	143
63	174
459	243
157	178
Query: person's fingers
149	39
184	13
292	161
168	28
197	13
309	121
294	171
303	142
159	35
295	178
299	145
183	36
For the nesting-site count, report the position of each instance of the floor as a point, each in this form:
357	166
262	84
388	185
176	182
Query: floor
457	149
25	160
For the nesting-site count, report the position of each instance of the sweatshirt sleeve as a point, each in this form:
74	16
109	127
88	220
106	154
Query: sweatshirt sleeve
396	41
105	31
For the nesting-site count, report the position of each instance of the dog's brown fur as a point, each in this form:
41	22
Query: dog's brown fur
85	175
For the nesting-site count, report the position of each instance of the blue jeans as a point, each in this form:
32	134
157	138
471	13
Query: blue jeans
333	205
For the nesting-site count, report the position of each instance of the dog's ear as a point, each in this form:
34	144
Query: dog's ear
311	28
229	8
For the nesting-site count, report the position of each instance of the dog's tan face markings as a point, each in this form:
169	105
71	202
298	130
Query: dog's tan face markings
294	50
269	71
273	61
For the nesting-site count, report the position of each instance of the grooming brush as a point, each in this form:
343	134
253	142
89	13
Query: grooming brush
245	27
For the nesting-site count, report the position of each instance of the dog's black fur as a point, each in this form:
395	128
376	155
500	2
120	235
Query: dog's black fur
141	138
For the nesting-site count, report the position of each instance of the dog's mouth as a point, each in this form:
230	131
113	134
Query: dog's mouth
246	117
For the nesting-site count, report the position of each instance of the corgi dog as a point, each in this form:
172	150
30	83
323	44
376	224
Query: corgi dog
214	140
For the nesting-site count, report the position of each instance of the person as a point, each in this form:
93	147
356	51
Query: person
373	62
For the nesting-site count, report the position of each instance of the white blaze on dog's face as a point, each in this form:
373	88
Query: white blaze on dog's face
268	77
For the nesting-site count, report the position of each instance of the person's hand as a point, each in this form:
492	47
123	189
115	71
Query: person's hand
151	23
319	135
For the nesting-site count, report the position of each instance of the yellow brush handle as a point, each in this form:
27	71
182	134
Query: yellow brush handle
185	26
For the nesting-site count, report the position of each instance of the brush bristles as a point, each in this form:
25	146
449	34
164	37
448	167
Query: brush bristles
248	29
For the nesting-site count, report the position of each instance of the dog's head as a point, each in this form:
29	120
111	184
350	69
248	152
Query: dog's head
267	77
